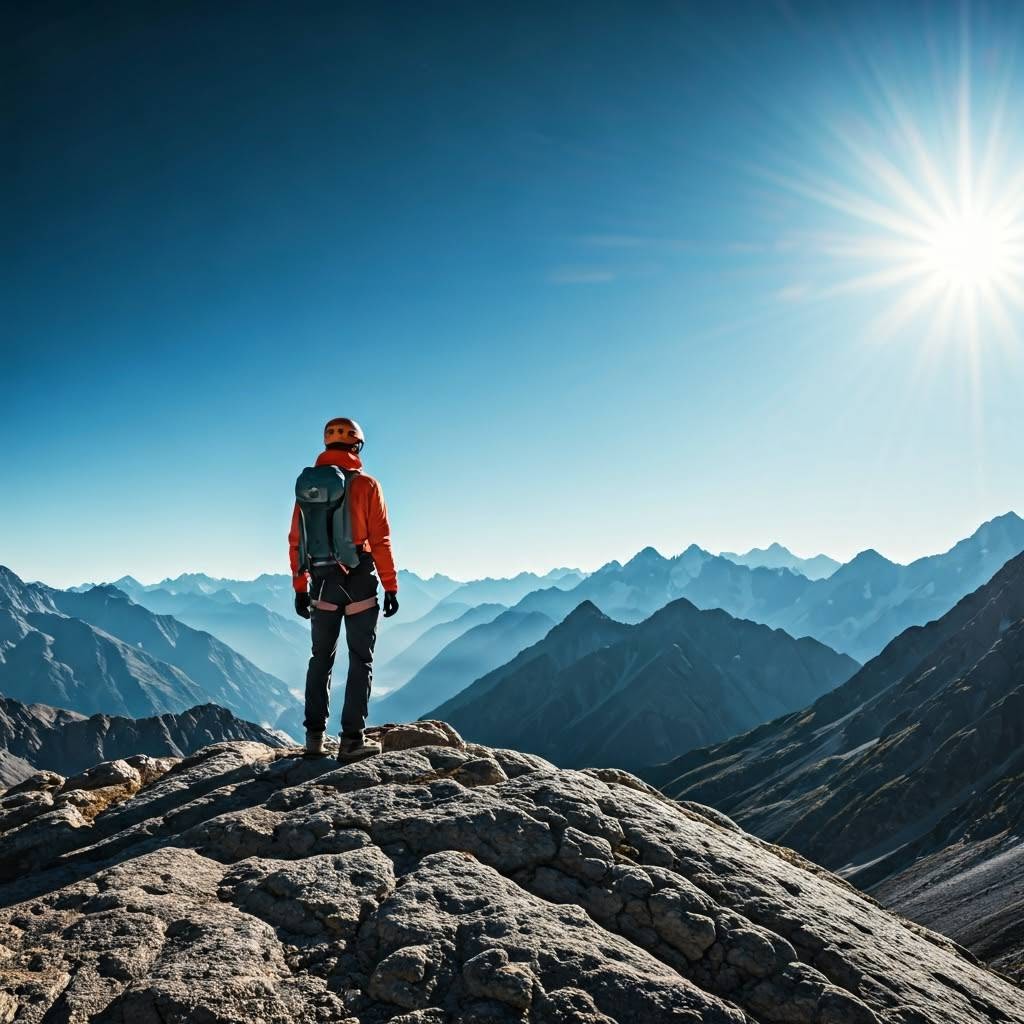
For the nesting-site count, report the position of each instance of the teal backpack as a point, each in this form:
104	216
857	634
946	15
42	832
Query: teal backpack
325	528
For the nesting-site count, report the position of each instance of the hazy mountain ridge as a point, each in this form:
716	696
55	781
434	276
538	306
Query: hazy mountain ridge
907	777
595	691
776	556
474	653
275	644
404	665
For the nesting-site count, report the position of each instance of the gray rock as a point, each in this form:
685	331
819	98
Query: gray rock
431	884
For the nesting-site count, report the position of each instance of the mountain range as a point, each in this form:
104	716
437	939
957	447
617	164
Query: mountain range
36	737
597	691
856	611
907	778
98	652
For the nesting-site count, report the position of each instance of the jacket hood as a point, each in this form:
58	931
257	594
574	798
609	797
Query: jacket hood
337	457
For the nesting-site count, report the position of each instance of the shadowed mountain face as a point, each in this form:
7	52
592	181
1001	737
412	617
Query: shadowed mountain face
908	777
775	556
596	691
99	652
439	881
42	737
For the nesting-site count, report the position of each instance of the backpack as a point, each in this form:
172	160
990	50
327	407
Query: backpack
325	528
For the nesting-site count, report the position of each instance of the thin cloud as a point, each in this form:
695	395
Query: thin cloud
580	275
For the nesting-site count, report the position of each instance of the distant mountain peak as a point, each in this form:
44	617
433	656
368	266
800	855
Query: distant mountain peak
867	557
692	549
646	556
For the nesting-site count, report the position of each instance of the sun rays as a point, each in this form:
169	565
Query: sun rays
925	212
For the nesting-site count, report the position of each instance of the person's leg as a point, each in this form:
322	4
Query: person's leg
325	628
361	633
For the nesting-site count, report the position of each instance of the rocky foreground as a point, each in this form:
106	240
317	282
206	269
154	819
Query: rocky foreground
437	881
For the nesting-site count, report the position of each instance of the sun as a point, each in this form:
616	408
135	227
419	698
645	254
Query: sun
926	212
971	253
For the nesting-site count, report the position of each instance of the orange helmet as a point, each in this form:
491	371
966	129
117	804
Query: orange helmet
344	431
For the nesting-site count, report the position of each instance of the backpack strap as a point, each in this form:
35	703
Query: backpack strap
344	546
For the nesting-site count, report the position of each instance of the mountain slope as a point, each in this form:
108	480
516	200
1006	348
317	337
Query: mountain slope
870	600
122	660
595	691
775	556
53	739
403	666
273	643
909	772
440	882
475	653
225	677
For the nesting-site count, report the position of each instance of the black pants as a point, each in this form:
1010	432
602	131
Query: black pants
339	588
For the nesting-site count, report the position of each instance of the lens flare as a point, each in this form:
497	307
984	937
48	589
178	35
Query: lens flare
928	209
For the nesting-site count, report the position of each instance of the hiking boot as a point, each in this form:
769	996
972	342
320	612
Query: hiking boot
355	748
314	744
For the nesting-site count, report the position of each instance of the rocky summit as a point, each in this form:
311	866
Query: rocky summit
437	881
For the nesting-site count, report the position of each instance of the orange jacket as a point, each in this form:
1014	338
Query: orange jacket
370	528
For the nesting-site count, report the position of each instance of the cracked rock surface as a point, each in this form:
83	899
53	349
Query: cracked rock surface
438	881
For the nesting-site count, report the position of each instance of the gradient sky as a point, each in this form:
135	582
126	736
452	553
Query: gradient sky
580	271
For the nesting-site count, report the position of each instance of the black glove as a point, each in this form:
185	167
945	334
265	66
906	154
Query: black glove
390	603
302	605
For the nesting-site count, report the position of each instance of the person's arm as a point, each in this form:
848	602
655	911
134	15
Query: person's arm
299	579
378	533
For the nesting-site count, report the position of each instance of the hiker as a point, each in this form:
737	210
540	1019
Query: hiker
339	535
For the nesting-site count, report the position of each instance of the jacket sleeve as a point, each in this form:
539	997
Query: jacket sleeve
299	579
378	533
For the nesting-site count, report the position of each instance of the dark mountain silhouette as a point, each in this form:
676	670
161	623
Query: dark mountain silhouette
596	691
907	778
41	737
98	651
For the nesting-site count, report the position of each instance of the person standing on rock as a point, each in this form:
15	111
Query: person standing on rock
339	536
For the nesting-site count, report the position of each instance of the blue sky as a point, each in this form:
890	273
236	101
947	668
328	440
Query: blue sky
586	274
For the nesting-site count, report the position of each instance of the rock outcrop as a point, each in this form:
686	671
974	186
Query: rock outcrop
438	881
